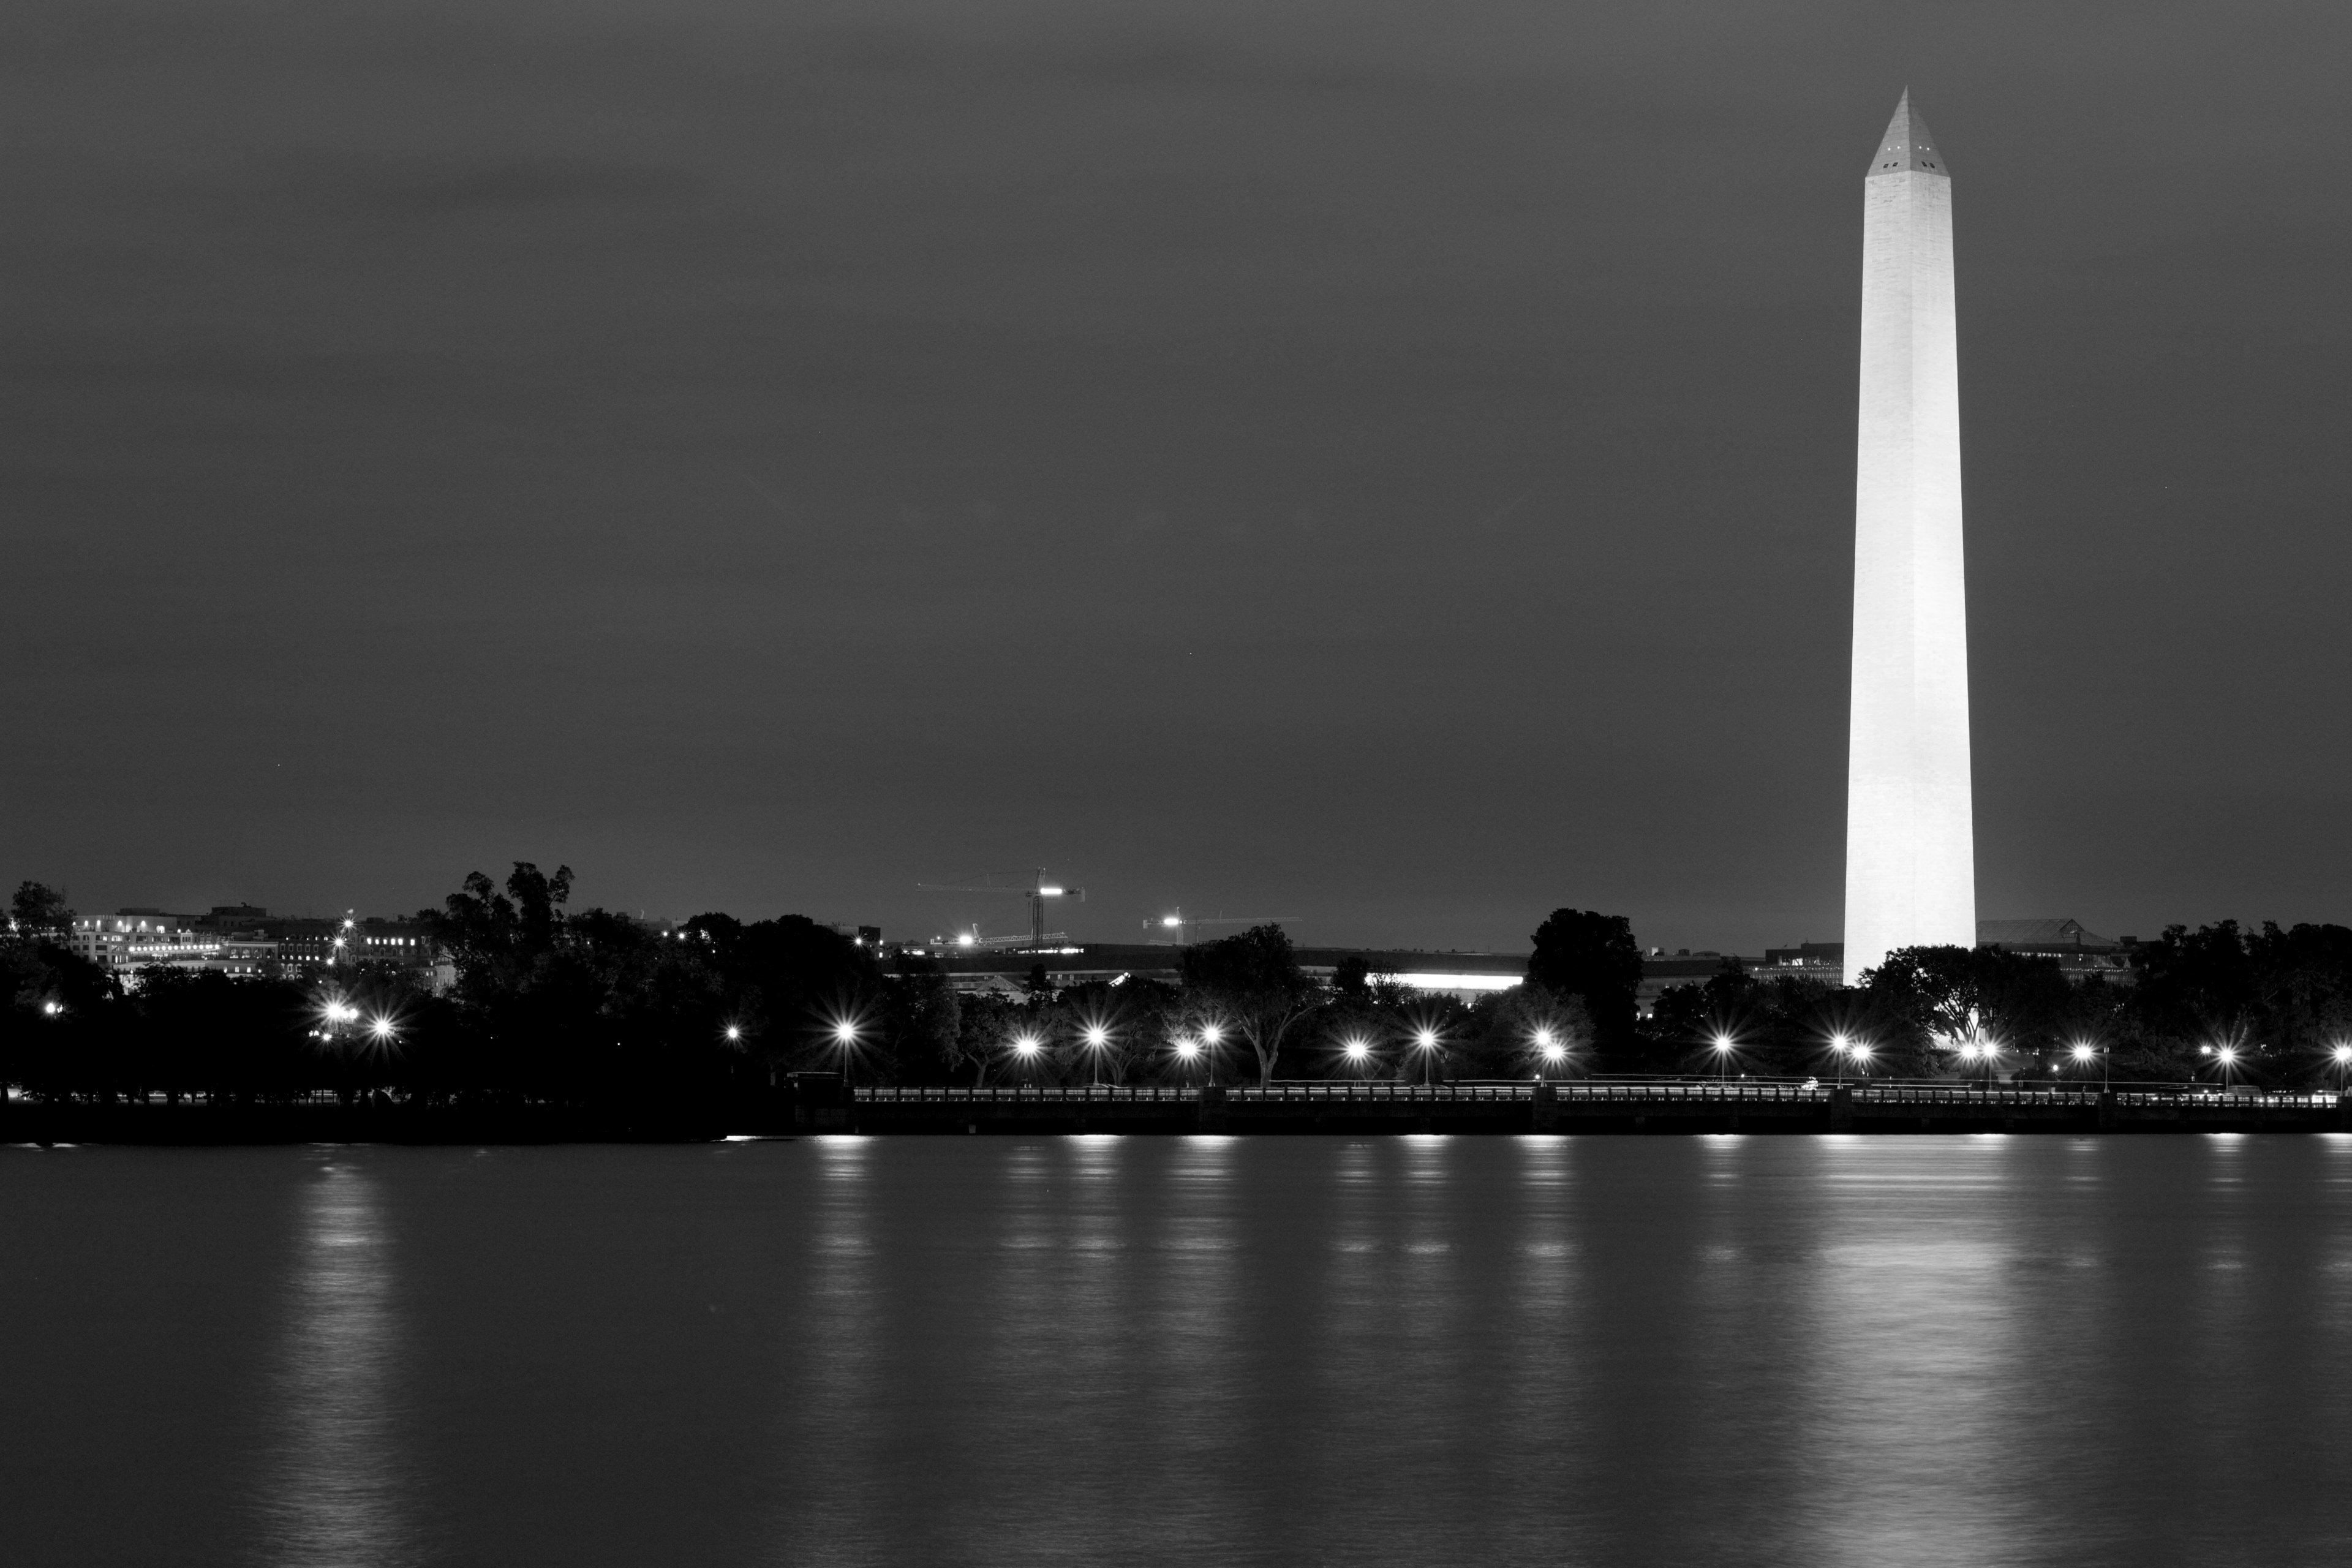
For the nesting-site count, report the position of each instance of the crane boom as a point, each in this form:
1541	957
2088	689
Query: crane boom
1036	892
1180	922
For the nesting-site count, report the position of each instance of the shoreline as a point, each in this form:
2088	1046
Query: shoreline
1579	1107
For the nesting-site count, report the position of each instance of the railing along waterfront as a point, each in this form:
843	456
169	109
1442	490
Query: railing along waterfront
1669	1091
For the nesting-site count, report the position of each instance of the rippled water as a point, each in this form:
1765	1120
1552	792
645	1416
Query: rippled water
1105	1349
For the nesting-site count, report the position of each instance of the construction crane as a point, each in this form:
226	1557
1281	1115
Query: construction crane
1036	892
1181	924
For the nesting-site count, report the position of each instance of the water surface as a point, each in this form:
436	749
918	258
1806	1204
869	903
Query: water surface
1606	1351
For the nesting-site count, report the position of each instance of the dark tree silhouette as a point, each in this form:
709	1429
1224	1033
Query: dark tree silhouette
1582	952
1251	985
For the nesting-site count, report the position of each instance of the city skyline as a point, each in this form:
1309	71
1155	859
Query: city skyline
1359	477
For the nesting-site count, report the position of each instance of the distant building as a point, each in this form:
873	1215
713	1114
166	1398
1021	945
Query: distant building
1822	960
2082	955
1662	971
978	969
133	939
247	940
403	943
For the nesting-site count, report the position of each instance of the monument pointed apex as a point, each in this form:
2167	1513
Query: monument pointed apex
1909	147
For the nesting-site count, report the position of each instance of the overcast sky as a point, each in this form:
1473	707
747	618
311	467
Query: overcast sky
1388	464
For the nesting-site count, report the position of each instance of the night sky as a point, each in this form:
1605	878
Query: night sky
1389	464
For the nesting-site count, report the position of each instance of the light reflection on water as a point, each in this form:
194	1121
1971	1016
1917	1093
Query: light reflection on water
333	1492
1916	1312
973	1351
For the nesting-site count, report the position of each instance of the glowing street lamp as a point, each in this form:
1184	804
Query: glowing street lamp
1840	1045
1211	1037
52	1009
1097	1038
383	1031
1860	1051
734	1034
1358	1052
2083	1051
845	1034
1723	1044
2342	1056
1424	1040
1550	1051
2226	1058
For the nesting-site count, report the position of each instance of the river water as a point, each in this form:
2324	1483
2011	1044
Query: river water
1604	1351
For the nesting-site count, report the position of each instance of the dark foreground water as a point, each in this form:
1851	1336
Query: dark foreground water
1207	1350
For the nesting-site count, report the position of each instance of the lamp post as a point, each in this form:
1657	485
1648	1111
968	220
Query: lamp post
1027	1049
1723	1046
1549	1052
2083	1051
2343	1056
1839	1045
1425	1042
1097	1042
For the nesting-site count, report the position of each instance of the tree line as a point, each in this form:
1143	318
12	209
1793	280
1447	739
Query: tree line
588	1007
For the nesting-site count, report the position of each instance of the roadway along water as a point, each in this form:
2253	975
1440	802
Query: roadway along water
1181	1351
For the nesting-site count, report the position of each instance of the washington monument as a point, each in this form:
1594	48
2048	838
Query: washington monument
1910	845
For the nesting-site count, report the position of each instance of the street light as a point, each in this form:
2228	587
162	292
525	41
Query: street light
1839	1045
2343	1054
1723	1046
1027	1049
1424	1040
1550	1051
1211	1037
1860	1051
2083	1051
2227	1056
1098	1038
845	1033
735	1032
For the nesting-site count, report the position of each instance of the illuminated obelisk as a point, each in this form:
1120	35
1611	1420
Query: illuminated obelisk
1910	844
